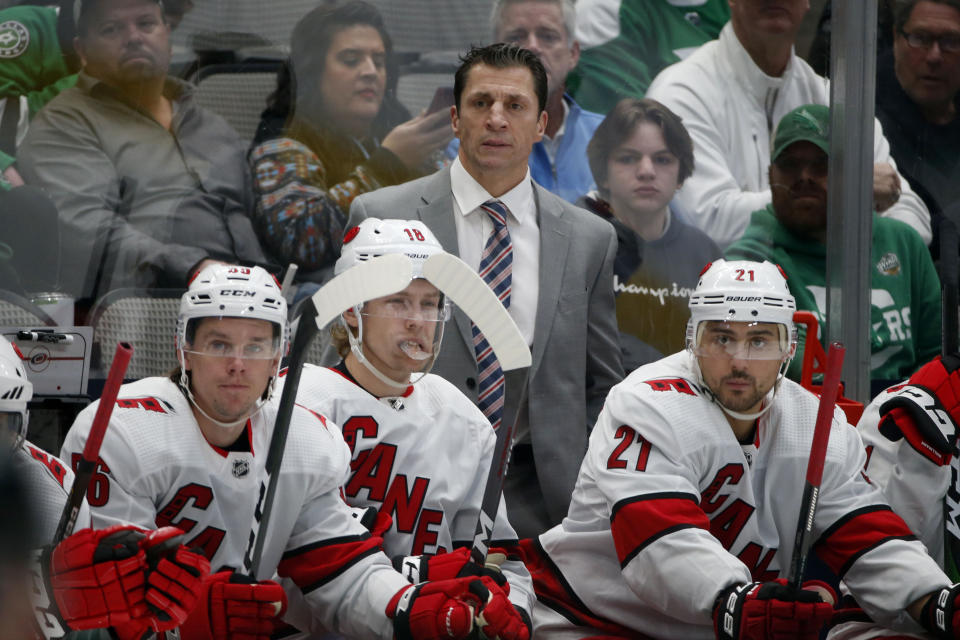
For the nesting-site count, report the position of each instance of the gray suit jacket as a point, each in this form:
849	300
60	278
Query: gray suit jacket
576	351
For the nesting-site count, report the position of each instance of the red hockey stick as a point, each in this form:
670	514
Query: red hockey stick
818	453
91	451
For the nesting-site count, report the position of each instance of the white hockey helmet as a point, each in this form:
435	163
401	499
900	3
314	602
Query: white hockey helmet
742	291
231	291
15	391
374	237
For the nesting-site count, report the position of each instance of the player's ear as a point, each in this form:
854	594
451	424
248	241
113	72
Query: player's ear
350	317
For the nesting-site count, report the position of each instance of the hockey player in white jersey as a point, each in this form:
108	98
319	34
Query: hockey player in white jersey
65	598
189	451
421	450
684	514
909	432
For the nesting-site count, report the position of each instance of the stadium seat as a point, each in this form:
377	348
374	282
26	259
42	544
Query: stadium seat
147	319
17	311
238	92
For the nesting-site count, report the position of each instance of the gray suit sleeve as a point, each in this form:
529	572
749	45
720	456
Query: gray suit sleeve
604	360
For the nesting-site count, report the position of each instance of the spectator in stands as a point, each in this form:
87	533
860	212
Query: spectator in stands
330	133
640	155
626	43
149	186
730	94
546	27
917	89
550	262
791	231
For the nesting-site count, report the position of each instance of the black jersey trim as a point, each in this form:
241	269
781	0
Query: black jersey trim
325	543
666	495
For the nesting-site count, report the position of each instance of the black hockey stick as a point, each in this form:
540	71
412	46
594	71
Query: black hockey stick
91	450
366	281
469	292
818	454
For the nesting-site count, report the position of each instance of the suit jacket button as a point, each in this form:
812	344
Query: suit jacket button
471	383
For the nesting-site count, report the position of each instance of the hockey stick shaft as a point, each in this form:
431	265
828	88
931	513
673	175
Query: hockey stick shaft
818	454
378	277
91	451
490	503
306	331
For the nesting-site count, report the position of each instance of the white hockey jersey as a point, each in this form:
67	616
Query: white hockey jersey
156	469
669	509
916	488
49	479
423	459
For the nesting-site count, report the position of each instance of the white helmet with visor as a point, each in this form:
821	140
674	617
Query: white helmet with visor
743	291
232	291
374	237
15	391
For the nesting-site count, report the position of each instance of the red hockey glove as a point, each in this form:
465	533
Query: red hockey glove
98	577
234	607
941	615
769	611
447	566
175	580
926	410
451	608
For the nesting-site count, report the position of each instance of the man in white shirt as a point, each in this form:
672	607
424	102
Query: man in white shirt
731	93
557	282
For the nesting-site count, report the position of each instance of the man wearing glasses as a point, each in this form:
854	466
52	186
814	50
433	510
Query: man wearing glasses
917	87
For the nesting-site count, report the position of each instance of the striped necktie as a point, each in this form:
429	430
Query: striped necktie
496	267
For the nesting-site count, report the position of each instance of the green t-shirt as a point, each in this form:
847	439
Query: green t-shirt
627	42
905	289
32	63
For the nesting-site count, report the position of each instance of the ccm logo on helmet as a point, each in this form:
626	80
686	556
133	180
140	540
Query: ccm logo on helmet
241	293
743	298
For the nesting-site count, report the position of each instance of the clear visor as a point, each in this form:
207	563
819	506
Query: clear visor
219	348
746	341
11	426
407	309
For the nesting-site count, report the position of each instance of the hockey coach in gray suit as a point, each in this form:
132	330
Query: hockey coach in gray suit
549	262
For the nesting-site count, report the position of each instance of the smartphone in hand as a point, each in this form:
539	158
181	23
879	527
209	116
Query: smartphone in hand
442	99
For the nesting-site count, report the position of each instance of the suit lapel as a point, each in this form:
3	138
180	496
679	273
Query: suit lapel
437	213
554	244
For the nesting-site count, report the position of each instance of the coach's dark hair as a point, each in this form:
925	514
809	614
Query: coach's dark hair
903	8
502	56
619	124
310	42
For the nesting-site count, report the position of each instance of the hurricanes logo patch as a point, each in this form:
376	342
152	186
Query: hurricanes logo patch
889	264
14	39
241	468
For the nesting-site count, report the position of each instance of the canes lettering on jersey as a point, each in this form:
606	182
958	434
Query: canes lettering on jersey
201	496
372	469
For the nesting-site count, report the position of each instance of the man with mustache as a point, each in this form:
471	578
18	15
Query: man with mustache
684	515
150	187
905	291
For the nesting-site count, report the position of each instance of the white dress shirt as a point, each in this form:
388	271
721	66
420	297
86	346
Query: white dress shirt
474	227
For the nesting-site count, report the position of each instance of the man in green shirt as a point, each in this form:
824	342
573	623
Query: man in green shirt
791	231
625	44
